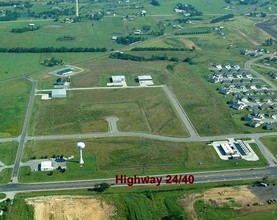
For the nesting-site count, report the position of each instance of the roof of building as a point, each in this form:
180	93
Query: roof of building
118	78
59	92
144	77
46	164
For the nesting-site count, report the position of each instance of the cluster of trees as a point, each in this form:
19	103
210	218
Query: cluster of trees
52	62
189	9
159	49
194	32
17	3
66	38
128	40
9	16
155	2
268	42
248	2
51	50
24	29
125	56
222	18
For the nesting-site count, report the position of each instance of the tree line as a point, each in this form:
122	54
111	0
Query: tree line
51	50
125	56
222	18
194	32
128	40
159	49
24	29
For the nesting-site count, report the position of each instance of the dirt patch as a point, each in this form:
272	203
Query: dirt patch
45	77
70	208
187	203
189	44
223	195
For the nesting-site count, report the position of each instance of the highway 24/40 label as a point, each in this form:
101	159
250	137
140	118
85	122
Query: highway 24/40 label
178	179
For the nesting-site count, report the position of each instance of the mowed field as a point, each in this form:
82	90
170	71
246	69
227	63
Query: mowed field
142	110
270	143
129	156
8	152
13	104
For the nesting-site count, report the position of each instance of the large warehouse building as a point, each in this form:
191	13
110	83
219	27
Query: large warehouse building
58	93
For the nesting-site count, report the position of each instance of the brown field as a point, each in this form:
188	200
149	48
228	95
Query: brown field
70	208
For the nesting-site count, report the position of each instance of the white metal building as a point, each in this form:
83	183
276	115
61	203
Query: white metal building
46	166
58	93
118	79
145	80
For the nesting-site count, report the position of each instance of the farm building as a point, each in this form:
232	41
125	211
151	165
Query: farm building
145	80
118	79
58	93
46	166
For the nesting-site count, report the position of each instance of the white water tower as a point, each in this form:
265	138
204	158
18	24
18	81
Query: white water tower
81	146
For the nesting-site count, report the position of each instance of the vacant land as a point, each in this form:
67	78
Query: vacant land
13	102
270	143
5	175
129	156
233	203
70	207
8	152
142	110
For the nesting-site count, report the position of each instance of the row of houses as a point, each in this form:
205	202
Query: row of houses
247	90
273	75
228	67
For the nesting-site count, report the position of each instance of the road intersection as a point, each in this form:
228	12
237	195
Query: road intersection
200	177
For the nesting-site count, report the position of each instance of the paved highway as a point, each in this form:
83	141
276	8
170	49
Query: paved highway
200	177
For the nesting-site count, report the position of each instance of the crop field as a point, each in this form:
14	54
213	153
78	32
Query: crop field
129	156
13	102
142	110
8	152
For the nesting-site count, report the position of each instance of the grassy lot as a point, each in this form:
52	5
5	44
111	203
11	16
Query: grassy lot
5	175
130	156
208	212
86	111
30	64
270	143
96	34
8	152
13	102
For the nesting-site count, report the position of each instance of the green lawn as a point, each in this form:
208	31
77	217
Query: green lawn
2	196
144	110
5	175
130	156
13	102
8	152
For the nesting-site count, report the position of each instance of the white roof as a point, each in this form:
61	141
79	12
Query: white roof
58	92
145	77
118	78
226	147
46	164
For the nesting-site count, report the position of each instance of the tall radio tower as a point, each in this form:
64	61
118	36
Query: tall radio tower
77	8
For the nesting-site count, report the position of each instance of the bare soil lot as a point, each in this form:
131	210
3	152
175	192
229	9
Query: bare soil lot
70	207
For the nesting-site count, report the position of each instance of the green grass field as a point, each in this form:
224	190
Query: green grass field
8	152
2	196
131	156
13	102
5	175
270	143
143	110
